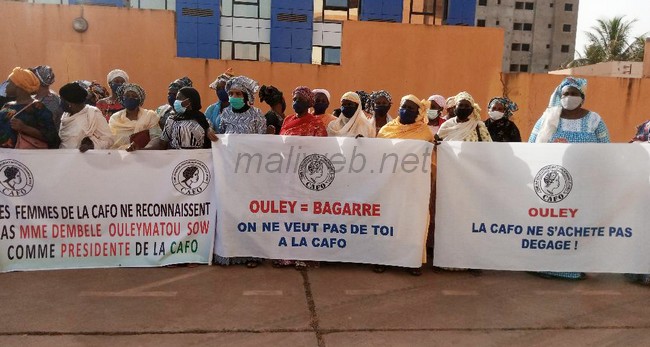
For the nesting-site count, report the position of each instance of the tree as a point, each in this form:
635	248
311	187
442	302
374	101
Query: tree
610	40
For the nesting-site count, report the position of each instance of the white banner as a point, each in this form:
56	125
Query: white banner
330	199
65	209
550	207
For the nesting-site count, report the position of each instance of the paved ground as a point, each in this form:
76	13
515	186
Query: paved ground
335	305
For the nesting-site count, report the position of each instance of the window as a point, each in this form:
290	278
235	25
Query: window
566	28
530	5
246	8
517	26
336	10
565	49
550	26
546	67
568	7
427	11
519	5
498	2
523	68
551	4
480	22
482	2
548	46
497	23
528	27
514	67
331	55
516	47
525	47
245	51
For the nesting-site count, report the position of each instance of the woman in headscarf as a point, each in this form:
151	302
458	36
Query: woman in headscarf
642	131
111	104
565	120
380	103
303	123
467	124
434	113
353	121
450	107
134	125
26	116
412	125
272	96
365	103
321	104
213	112
83	126
241	117
46	95
167	110
501	128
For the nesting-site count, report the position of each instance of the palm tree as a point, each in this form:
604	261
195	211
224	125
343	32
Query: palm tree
611	40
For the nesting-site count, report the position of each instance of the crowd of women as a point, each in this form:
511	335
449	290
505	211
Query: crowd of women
85	115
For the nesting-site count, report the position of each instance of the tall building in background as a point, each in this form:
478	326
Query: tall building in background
540	35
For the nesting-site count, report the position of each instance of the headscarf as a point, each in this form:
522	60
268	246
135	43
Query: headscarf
358	124
180	83
74	93
451	102
418	130
44	74
642	131
306	93
322	91
365	101
245	84
376	95
455	131
439	100
552	114
25	80
131	87
509	105
271	95
224	77
96	92
115	74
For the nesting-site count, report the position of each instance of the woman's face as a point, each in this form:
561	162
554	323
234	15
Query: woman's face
235	93
131	95
571	91
320	98
382	101
185	102
464	105
498	107
348	103
410	105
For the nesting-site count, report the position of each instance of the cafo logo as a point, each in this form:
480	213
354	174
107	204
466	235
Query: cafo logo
190	177
316	172
553	183
15	178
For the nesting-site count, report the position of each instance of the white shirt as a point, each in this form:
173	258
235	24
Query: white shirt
89	122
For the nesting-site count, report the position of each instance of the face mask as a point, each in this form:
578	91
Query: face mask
463	113
114	87
171	98
570	102
321	107
236	103
222	94
432	114
381	110
349	111
300	106
407	116
496	115
131	104
178	107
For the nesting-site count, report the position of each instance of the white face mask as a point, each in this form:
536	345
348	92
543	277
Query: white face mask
432	114
570	102
496	115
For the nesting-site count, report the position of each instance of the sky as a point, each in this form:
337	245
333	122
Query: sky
592	10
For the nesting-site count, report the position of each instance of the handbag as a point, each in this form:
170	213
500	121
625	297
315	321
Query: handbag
28	142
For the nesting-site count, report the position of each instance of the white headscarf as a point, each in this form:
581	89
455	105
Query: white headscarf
323	91
358	124
115	74
452	130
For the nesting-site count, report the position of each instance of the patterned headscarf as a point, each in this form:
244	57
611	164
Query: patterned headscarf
306	93
245	84
24	79
271	95
131	87
115	74
476	114
180	83
642	131
376	95
224	77
322	91
44	74
579	83
365	101
95	90
509	105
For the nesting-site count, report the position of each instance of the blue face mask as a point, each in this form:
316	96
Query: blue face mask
236	103
222	94
178	107
321	107
300	106
407	116
131	104
348	111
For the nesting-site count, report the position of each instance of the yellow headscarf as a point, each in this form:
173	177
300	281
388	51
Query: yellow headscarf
25	80
418	130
